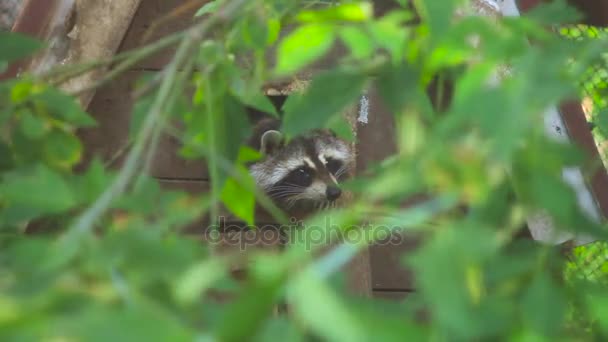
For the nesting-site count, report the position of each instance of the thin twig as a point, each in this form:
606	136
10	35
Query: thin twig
212	156
125	65
62	74
154	141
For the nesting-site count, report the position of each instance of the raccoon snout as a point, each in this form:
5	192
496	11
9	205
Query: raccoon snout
333	193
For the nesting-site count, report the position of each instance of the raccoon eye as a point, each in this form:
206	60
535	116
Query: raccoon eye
301	176
333	165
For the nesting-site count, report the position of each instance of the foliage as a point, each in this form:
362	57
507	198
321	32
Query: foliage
113	263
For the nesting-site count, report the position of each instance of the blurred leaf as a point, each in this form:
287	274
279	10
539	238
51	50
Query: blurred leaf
543	306
39	188
62	149
126	324
554	12
238	198
358	41
448	259
328	95
400	86
279	329
32	127
92	182
254	31
64	107
140	110
390	33
209	7
303	46
6	157
342	127
315	304
436	14
253	98
197	279
598	305
354	12
274	29
16	46
250	309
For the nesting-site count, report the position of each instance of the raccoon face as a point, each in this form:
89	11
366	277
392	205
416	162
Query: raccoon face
306	171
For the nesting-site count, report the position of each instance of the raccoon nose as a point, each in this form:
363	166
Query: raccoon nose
333	193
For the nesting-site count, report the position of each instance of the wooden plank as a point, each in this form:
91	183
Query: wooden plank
34	21
112	107
376	137
156	19
376	141
595	12
388	270
359	274
92	39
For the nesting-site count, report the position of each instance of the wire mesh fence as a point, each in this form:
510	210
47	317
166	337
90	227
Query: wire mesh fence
590	261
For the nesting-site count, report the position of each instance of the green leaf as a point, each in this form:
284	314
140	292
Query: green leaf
197	279
32	127
358	41
231	127
252	97
390	33
554	12
342	127
62	149
92	182
251	309
274	29
543	306
64	107
255	31
437	15
400	86
353	12
238	198
303	46
40	189
328	95
449	276
6	157
16	46
115	323
315	303
209	7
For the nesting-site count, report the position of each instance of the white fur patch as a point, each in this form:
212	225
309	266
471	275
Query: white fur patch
316	191
335	151
309	163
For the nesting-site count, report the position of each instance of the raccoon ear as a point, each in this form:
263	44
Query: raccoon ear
270	142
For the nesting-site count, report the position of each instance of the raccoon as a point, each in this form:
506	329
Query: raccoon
303	174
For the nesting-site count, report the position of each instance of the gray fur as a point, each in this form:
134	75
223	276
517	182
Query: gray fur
311	150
